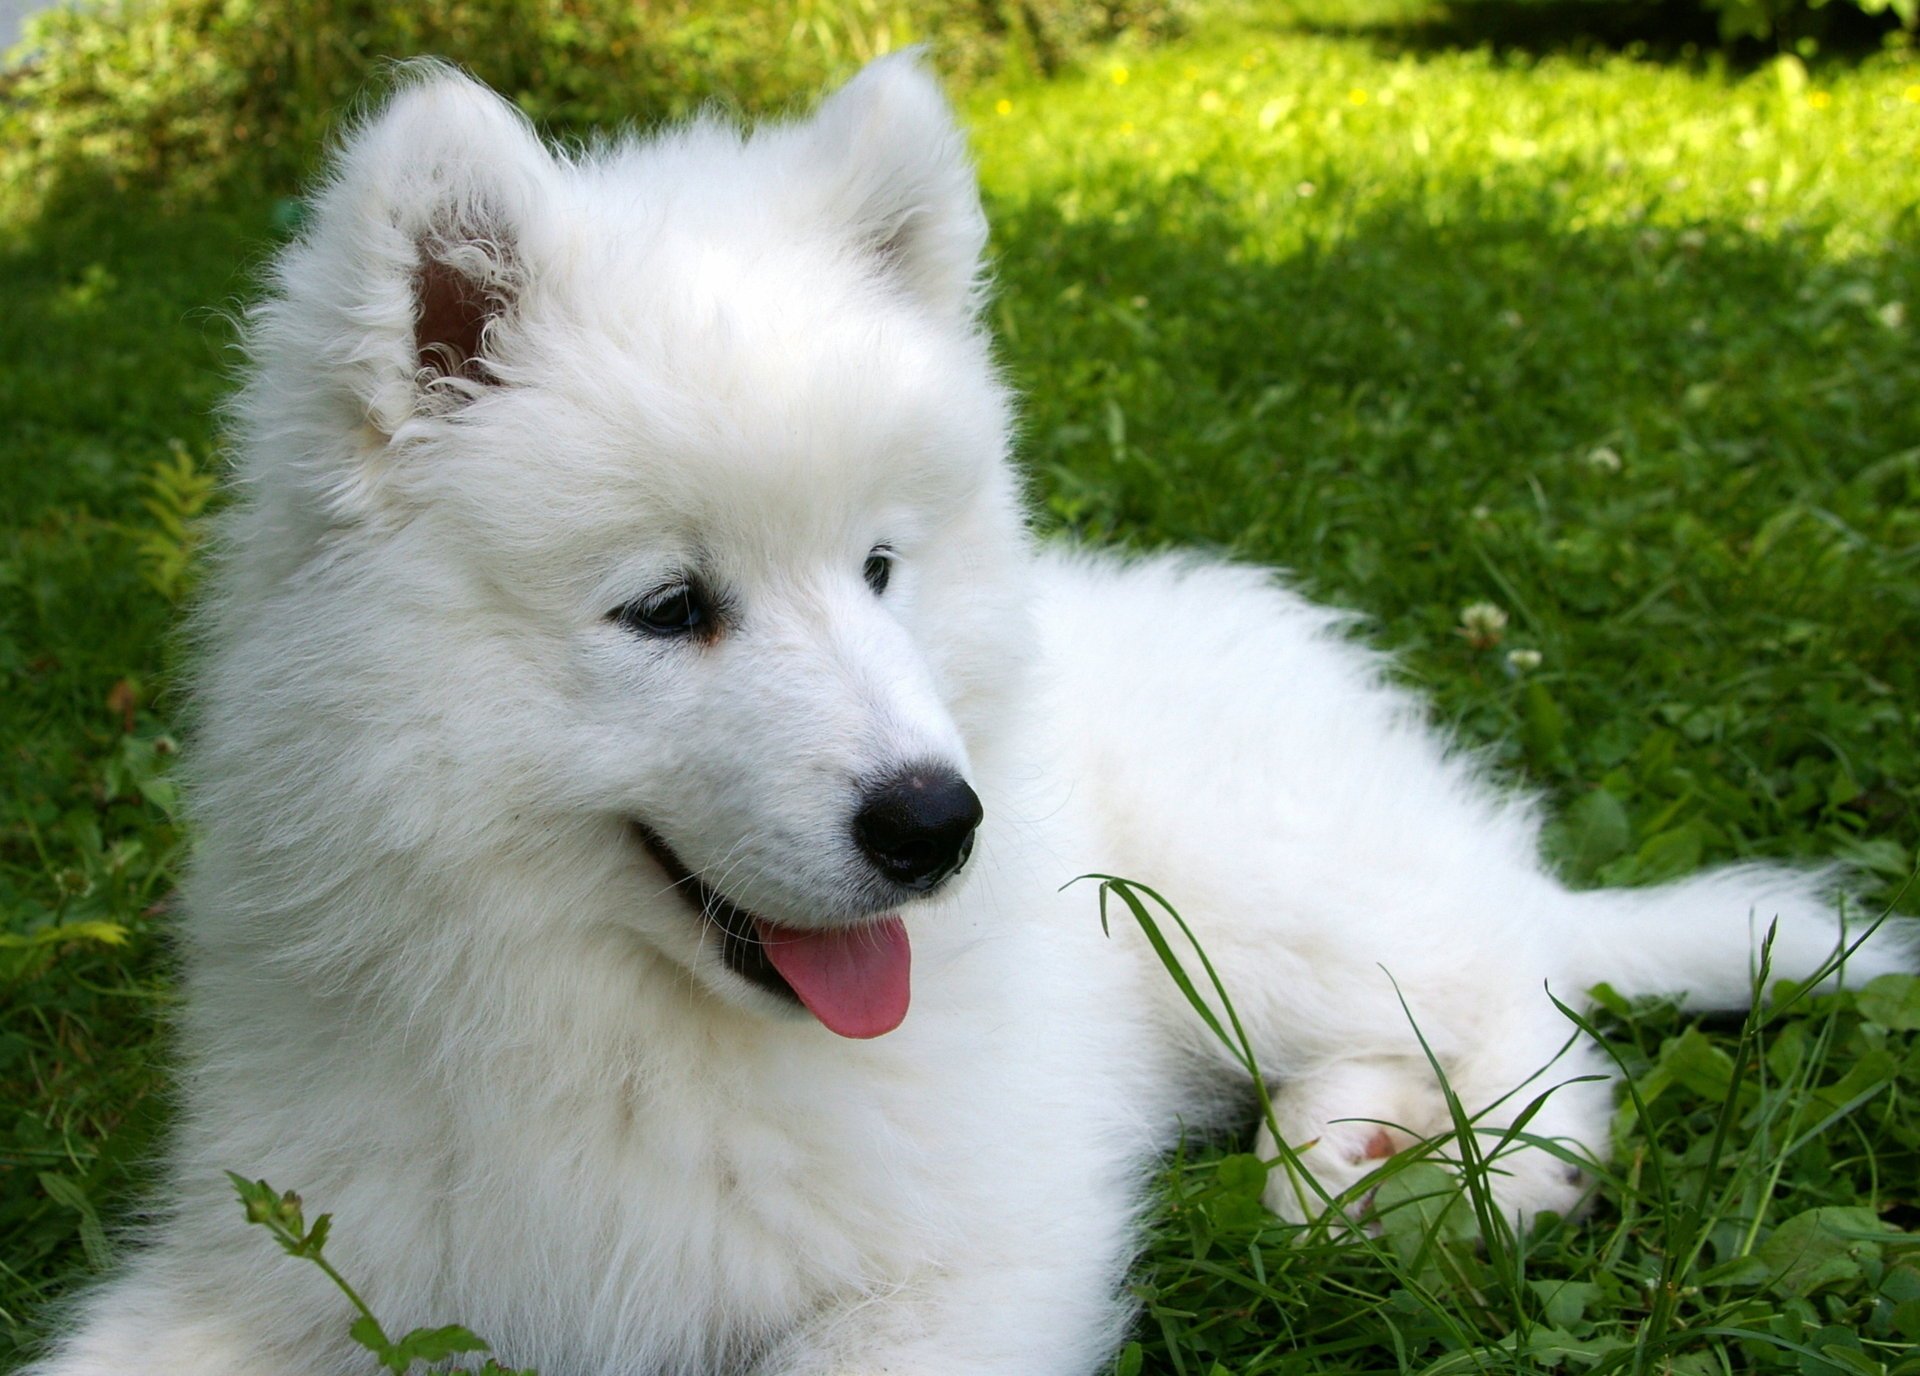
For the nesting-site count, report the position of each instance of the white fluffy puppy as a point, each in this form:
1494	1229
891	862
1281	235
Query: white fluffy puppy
628	681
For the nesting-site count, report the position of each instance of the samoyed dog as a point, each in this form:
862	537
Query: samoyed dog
641	758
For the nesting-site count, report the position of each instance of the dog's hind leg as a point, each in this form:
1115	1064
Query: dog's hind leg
1341	1120
1537	1098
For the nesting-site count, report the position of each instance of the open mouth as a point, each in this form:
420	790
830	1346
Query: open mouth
854	979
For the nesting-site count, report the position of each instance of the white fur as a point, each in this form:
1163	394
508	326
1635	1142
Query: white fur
435	985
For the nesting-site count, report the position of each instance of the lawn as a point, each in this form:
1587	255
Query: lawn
1621	343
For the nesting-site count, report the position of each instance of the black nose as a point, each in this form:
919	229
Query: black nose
917	827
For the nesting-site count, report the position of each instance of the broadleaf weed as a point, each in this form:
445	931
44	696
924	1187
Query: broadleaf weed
283	1216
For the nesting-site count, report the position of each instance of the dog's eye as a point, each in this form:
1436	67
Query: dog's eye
681	609
878	569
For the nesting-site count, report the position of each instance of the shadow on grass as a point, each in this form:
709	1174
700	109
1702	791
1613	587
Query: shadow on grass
1684	466
116	332
116	340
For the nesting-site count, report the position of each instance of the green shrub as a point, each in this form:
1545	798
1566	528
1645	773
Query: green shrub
1783	22
178	92
1776	18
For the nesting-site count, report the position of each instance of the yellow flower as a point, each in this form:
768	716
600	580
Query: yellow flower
1356	96
1820	100
1120	75
1126	126
1003	106
1911	95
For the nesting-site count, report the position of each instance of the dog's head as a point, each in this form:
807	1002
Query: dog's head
671	474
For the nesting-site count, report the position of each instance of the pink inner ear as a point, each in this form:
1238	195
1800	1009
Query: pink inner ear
451	311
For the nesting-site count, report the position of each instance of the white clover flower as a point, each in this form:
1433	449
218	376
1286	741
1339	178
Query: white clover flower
1603	458
1483	624
1893	315
1524	660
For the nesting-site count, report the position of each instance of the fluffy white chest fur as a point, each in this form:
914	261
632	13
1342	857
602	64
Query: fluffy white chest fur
640	755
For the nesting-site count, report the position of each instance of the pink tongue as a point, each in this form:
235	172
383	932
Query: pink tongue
854	979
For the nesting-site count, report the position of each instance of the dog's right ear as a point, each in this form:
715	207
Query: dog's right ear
421	250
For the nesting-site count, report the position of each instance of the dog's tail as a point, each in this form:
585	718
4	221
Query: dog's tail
1700	939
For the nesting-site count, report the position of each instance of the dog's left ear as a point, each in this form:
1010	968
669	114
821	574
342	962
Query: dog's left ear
891	163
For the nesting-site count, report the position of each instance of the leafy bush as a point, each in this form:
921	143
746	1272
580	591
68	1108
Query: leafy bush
178	91
1675	21
1771	18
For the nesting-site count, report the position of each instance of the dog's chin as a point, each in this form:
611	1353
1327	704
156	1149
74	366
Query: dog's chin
733	960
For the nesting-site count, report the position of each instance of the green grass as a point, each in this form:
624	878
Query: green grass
1627	347
114	358
1619	346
